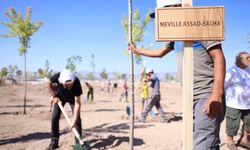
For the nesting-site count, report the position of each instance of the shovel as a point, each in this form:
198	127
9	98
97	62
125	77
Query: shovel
82	145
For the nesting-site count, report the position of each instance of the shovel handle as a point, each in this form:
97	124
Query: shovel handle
69	122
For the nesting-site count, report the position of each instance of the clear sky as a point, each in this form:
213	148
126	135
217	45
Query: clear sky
82	27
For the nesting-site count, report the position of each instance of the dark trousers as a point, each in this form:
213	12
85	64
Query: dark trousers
55	122
90	95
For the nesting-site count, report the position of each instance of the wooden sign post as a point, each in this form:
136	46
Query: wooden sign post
187	92
189	24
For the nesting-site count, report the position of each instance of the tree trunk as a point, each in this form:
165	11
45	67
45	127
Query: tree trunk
131	138
25	84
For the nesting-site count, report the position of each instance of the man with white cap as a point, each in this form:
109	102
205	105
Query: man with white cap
208	92
154	96
64	87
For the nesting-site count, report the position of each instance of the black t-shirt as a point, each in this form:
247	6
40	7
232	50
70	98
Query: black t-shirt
63	94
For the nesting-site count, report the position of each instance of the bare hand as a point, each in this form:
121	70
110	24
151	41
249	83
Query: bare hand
54	100
213	107
72	126
131	46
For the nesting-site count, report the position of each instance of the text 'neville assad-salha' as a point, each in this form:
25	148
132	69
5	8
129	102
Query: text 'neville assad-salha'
190	23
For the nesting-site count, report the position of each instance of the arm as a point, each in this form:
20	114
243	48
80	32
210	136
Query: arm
77	109
214	102
150	53
54	99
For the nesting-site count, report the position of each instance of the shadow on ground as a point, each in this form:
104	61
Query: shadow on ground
112	141
11	106
174	116
102	110
118	128
29	137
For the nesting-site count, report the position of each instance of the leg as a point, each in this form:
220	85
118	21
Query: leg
233	117
142	106
78	122
92	94
121	97
126	96
151	102
88	93
245	129
159	109
55	122
206	129
55	127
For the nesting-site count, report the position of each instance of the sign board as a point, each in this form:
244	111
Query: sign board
189	23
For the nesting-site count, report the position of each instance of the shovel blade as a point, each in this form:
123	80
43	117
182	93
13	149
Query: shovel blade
85	146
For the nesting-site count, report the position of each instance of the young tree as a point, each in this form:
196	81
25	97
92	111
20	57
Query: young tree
72	61
46	72
11	71
47	69
23	28
138	28
131	110
92	64
91	76
104	74
4	72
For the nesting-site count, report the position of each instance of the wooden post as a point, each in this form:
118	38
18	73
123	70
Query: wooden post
189	24
187	96
131	137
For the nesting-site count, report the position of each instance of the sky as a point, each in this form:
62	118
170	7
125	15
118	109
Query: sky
85	28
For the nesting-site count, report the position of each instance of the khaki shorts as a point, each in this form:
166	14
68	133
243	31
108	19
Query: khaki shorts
233	117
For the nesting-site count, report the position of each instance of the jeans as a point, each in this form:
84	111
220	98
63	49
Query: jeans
206	129
153	101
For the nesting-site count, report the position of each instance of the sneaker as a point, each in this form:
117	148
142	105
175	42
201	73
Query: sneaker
53	145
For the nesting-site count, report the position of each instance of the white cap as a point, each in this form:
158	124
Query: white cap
66	75
165	3
162	3
149	70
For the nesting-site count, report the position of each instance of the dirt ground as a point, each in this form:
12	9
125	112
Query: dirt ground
105	122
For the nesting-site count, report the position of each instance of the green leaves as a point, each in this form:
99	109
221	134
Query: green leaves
46	72
72	61
138	30
21	28
90	76
104	74
138	26
4	72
